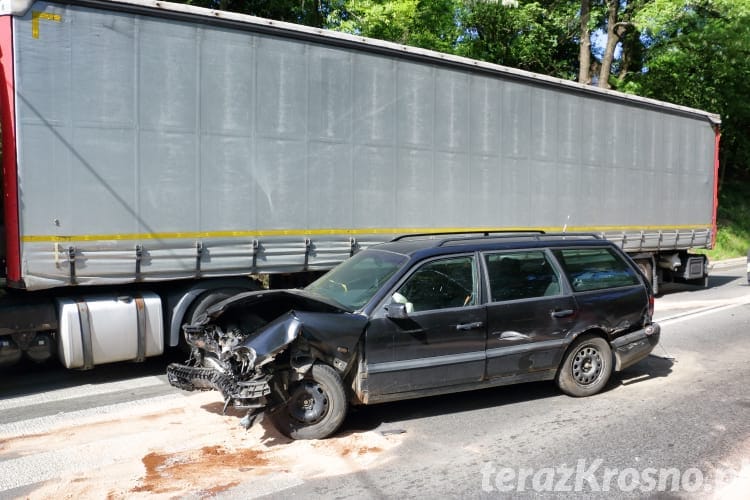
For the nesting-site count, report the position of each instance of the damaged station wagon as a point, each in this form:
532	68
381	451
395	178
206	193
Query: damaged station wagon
425	315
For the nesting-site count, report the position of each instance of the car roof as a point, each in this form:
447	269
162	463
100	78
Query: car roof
426	245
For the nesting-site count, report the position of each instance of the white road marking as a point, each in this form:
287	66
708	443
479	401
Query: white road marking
79	391
39	467
80	417
267	485
719	306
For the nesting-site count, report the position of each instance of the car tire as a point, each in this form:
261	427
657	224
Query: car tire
586	368
316	407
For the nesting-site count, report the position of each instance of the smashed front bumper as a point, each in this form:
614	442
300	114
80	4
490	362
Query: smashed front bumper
633	347
243	393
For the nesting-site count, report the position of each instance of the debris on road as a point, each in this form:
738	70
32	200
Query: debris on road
182	446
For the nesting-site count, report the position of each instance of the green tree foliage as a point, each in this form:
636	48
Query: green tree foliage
538	36
429	24
309	12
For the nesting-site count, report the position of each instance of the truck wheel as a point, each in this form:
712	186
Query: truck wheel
647	270
203	302
586	368
316	407
200	305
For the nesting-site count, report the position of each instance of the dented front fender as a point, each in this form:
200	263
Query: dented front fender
274	337
335	335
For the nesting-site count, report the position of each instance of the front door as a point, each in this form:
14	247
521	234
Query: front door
441	340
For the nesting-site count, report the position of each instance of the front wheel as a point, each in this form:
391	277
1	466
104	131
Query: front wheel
586	368
316	407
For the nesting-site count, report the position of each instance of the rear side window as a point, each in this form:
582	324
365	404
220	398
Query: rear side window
595	269
521	275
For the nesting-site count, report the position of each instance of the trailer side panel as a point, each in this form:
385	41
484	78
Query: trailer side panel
154	147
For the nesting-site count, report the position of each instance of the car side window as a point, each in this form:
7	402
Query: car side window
521	275
440	284
595	269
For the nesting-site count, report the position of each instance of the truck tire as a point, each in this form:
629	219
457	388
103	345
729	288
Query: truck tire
586	368
647	269
200	305
316	407
206	300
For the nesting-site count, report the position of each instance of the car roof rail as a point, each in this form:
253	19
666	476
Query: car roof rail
471	234
541	236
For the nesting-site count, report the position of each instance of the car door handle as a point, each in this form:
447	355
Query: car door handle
469	326
563	313
512	336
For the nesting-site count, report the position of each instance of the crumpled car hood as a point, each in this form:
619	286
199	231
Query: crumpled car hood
298	299
324	325
335	335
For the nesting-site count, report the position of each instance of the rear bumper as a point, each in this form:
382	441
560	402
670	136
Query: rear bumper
633	347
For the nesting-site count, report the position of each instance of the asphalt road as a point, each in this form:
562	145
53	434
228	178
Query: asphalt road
675	425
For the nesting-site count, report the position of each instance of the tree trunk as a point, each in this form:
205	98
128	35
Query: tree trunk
612	39
626	60
584	50
632	48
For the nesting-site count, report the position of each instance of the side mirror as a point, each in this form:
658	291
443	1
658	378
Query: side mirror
394	310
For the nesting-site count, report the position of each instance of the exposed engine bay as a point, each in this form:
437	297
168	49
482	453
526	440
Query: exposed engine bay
258	348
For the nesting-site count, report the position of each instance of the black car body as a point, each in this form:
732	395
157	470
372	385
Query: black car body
421	316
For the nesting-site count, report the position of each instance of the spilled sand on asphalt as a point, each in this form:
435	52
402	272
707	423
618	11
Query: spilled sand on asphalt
187	447
730	478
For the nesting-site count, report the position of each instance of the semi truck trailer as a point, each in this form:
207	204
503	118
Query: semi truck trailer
159	157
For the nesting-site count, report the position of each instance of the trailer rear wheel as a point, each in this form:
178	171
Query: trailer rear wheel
647	269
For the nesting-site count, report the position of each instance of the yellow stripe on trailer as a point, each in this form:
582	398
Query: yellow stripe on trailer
338	231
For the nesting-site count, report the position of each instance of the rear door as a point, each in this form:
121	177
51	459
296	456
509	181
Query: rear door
608	290
529	312
442	341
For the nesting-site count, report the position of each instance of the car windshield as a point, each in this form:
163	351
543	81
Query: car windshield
355	281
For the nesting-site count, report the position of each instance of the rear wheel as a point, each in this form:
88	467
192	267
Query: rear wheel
586	368
316	407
